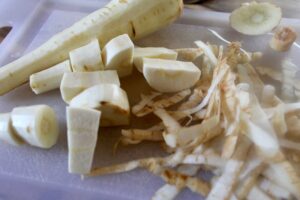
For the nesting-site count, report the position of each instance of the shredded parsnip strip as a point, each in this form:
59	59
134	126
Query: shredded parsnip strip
210	160
270	72
207	51
137	135
289	144
145	100
257	193
224	186
216	80
163	103
247	184
284	175
189	54
274	190
193	100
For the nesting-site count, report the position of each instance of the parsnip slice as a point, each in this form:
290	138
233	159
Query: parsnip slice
110	99
170	76
255	18
151	52
118	55
37	125
87	58
83	125
74	83
7	133
49	79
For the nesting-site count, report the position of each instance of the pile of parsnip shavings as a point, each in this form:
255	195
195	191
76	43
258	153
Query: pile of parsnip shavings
230	123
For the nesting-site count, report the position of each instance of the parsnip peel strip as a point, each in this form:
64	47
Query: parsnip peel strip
163	103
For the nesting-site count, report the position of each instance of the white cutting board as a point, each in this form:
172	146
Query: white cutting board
31	173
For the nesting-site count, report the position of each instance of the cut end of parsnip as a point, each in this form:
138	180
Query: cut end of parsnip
255	18
7	133
87	58
37	125
49	79
170	76
283	39
151	52
118	55
74	83
110	99
83	126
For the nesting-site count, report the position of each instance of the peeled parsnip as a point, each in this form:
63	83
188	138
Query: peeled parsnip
37	125
151	52
74	83
49	79
87	58
118	55
137	18
7	133
110	99
83	125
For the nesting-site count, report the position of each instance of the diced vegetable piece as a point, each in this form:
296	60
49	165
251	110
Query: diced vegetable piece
207	51
49	79
276	191
87	58
37	125
151	52
170	76
118	55
117	17
7	133
189	54
83	126
110	99
256	193
74	83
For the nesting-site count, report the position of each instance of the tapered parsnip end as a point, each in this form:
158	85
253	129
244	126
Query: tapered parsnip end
152	52
110	99
170	76
7	133
87	58
49	79
118	55
74	83
37	125
83	126
255	18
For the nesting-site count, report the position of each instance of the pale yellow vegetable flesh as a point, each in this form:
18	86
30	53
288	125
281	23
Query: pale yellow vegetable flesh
49	79
118	55
151	52
117	17
170	76
83	126
74	83
37	125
